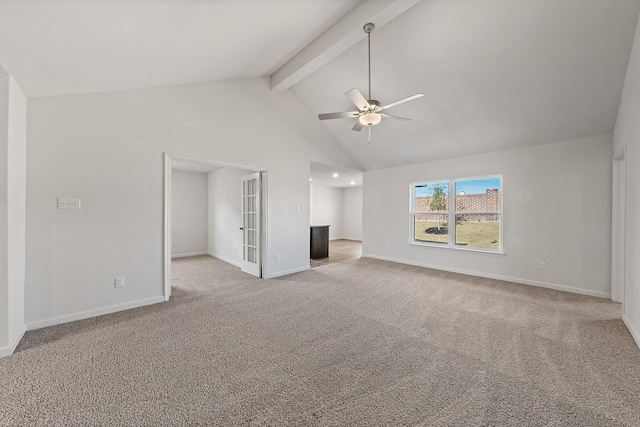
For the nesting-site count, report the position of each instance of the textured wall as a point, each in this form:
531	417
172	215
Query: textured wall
189	207
107	149
556	209
225	216
328	209
352	213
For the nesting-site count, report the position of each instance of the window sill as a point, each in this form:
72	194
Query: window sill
459	248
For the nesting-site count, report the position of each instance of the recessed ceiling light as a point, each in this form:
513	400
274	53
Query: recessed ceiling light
335	174
353	183
310	179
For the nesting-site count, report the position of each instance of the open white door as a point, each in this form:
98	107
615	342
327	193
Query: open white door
251	251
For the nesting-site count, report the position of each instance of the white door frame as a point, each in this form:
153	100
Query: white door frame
618	226
168	157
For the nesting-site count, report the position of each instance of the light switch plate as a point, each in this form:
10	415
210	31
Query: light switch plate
64	203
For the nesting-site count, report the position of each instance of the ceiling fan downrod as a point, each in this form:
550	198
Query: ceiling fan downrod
368	28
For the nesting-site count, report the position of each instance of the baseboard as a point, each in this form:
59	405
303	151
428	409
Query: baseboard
287	272
93	313
554	286
266	276
634	334
227	260
347	238
188	254
9	349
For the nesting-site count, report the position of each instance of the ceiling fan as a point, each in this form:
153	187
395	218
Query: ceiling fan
369	110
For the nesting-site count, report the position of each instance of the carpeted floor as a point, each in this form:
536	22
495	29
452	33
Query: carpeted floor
363	342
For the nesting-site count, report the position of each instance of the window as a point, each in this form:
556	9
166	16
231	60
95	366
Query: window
431	212
469	217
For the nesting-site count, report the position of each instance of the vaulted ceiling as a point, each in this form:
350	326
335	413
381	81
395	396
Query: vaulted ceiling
59	47
496	74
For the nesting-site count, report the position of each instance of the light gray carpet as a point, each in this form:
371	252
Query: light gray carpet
363	342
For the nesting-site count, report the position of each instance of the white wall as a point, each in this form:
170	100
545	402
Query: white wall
4	210
107	149
189	207
352	213
557	209
341	208
13	113
627	133
327	209
225	216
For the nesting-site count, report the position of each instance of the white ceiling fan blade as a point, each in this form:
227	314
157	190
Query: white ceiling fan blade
394	117
344	115
393	104
358	99
358	126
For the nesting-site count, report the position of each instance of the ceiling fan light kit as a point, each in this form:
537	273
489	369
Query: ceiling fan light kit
370	118
369	110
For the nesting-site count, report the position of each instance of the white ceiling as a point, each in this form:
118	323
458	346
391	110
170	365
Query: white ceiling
496	74
323	174
56	47
192	166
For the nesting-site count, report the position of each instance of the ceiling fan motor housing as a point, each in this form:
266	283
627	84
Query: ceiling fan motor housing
370	117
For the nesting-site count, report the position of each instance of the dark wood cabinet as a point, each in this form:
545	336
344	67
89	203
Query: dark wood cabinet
319	241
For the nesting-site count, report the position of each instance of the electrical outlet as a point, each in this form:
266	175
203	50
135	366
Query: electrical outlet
277	257
541	265
119	283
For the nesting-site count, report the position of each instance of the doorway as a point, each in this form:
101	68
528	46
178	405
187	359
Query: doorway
336	201
235	234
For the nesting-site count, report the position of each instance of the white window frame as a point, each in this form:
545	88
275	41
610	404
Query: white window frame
451	215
